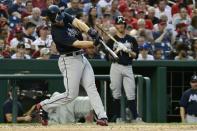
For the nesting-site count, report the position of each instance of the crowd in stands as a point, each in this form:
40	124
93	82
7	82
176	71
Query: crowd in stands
164	30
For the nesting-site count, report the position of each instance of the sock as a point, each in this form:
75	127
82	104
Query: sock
116	108
133	107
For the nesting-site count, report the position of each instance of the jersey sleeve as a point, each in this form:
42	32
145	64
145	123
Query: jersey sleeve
135	46
7	108
184	100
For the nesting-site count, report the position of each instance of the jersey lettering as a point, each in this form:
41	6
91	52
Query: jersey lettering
193	98
72	32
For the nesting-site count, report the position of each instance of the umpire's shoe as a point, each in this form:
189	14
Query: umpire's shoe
102	122
43	115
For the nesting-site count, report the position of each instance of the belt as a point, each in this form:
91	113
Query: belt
75	53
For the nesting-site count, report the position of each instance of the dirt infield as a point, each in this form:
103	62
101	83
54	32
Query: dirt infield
93	127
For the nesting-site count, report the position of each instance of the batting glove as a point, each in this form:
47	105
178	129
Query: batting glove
122	47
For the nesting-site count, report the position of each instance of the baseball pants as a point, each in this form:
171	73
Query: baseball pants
122	75
76	70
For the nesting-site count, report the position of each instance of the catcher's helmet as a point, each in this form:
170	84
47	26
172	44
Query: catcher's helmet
54	13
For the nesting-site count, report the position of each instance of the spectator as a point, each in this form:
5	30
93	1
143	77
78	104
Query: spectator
91	53
158	54
20	53
17	7
188	102
143	55
141	14
74	10
151	15
44	11
1	49
41	4
194	13
164	18
93	3
142	31
44	54
105	3
192	29
114	9
3	11
182	34
194	48
28	7
79	108
36	17
54	52
92	16
60	4
163	8
107	19
29	30
19	37
182	52
21	116
130	18
164	38
44	39
181	17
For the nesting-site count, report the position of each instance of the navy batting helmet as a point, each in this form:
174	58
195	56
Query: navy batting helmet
54	13
194	78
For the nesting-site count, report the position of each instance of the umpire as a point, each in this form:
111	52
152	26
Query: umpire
121	72
66	33
188	103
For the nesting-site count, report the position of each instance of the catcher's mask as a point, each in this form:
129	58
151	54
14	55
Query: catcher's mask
54	14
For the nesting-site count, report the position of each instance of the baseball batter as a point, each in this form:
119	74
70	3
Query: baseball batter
66	33
121	72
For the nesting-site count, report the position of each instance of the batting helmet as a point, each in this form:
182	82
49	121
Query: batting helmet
194	78
120	20
54	13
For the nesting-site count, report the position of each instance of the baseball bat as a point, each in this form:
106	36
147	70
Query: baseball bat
109	35
109	50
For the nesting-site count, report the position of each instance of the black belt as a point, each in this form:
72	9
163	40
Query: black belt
75	53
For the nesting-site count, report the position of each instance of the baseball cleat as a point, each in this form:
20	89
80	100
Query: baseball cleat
43	115
102	122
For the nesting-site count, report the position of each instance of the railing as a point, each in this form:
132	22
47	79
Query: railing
143	85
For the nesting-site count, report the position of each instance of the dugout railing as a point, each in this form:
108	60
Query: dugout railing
142	84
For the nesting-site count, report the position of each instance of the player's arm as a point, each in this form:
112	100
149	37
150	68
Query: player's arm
182	114
27	118
75	22
83	44
80	25
30	110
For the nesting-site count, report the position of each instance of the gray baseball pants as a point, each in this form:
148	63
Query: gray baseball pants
76	70
121	75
